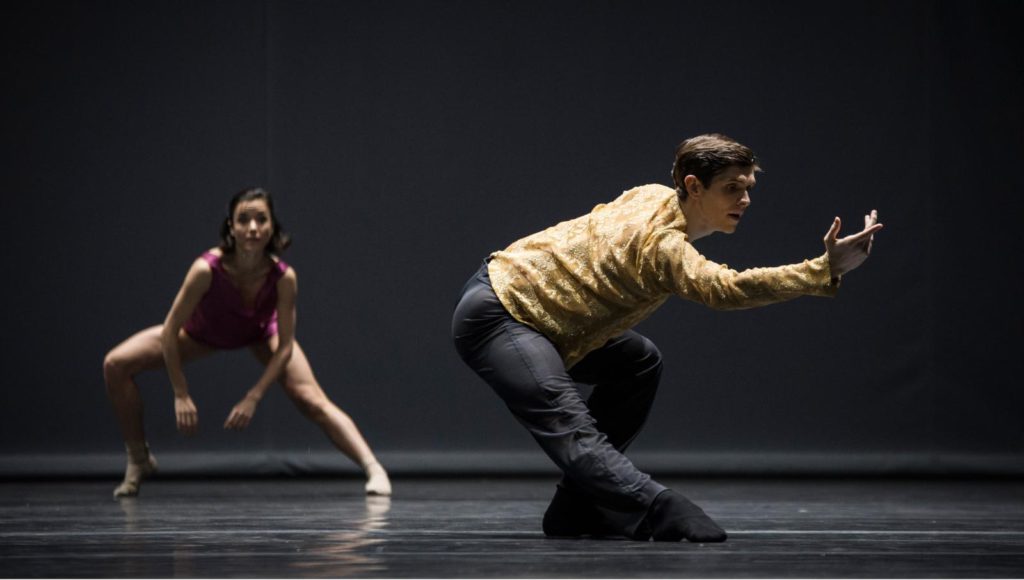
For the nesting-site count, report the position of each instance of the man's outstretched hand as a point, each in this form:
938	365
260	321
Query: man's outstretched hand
847	253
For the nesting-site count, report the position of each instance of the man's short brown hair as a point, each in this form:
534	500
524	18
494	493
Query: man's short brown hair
705	156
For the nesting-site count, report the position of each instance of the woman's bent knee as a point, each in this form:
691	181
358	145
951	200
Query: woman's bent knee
119	367
114	368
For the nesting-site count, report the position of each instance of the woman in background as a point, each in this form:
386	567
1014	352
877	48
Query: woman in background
239	294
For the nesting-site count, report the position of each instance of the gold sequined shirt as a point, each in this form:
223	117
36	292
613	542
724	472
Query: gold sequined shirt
589	279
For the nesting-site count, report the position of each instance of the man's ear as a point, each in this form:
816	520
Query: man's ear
693	185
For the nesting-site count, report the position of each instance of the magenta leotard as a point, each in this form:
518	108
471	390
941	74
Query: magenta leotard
221	321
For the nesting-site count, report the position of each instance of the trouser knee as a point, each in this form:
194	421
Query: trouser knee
651	363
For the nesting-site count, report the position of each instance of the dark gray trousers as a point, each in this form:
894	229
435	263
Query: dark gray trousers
585	438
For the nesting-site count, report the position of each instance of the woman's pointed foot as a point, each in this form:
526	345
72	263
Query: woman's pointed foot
141	464
377	481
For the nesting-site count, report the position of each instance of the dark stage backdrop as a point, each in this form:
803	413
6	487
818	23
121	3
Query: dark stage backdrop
406	140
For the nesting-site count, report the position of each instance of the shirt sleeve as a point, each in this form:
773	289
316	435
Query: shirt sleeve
680	269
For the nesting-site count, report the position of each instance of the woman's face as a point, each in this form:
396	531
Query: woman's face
252	225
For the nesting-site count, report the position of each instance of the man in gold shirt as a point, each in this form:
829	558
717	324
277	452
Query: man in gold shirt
555	310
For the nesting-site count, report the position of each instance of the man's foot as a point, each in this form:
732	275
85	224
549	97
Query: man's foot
571	516
672	517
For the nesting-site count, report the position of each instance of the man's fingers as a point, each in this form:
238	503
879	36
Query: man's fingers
863	235
833	232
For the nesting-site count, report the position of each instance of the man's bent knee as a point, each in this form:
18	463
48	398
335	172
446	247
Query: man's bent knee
652	360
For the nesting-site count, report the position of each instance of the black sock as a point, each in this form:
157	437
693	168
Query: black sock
570	515
672	517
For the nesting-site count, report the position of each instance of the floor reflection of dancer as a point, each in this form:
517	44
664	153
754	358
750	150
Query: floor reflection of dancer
356	549
555	309
237	295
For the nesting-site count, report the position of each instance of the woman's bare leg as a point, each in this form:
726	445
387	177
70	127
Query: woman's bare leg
301	386
140	352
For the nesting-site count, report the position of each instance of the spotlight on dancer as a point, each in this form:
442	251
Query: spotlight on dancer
556	309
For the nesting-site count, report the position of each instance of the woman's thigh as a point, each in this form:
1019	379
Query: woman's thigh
143	350
297	377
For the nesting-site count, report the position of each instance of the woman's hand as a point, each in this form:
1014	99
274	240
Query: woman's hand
847	253
241	414
186	415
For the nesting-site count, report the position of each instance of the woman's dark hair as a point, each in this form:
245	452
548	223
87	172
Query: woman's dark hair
705	156
278	241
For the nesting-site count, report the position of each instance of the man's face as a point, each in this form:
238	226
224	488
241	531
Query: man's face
726	198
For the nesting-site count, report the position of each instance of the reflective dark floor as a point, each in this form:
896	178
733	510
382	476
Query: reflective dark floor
453	528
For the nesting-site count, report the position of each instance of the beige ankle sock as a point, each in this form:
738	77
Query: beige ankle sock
377	482
141	464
